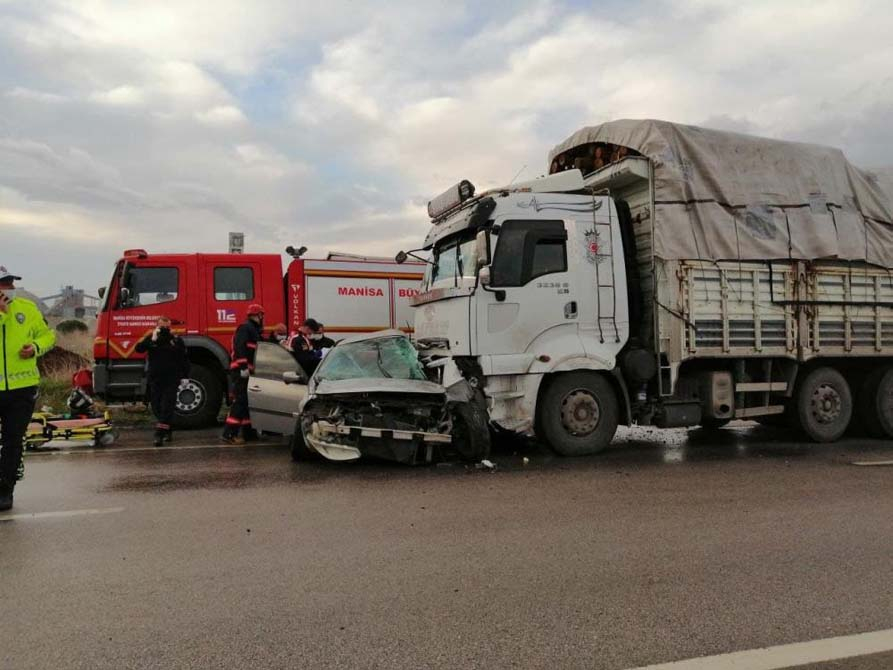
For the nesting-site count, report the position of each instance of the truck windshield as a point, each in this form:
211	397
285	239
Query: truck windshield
454	258
391	358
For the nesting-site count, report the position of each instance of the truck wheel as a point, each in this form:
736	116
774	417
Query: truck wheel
876	403
198	400
578	414
471	432
824	405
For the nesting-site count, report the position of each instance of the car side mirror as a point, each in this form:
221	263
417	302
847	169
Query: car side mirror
291	377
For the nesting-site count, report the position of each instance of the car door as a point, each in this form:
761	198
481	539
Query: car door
271	400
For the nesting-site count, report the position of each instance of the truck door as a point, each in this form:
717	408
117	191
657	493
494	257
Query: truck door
530	271
271	400
148	289
231	284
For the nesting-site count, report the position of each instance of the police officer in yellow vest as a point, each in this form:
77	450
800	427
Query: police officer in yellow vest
24	335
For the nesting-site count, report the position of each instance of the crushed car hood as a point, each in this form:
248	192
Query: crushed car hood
377	385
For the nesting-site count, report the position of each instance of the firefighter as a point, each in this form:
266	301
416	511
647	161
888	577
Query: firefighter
302	346
168	364
25	336
244	348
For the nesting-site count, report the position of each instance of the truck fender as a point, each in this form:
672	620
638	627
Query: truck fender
212	346
581	363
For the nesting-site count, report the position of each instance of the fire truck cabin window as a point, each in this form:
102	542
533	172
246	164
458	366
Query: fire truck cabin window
233	284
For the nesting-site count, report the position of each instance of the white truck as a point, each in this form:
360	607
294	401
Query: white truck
667	275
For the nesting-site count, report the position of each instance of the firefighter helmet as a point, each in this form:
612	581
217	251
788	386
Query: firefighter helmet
255	310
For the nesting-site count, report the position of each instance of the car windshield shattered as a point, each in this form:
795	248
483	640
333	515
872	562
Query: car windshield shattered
389	358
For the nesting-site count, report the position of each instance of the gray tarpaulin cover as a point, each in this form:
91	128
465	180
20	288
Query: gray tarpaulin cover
721	195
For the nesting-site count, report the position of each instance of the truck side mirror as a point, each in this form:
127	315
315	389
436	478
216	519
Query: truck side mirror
101	291
484	276
481	249
401	257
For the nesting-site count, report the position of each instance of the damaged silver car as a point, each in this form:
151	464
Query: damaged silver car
371	396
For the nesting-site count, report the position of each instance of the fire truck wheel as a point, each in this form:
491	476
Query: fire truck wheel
199	398
471	431
824	405
876	403
578	414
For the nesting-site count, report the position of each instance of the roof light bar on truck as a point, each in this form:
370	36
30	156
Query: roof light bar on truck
450	199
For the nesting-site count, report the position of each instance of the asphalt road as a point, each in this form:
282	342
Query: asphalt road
671	545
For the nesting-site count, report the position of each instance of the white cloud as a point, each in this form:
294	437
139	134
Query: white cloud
221	115
124	96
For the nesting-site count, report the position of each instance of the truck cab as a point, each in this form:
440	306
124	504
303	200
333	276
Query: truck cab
526	288
205	296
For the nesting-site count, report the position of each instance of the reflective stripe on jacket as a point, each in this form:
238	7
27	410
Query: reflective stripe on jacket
22	324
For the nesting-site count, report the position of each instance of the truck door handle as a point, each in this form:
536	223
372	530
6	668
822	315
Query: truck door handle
570	310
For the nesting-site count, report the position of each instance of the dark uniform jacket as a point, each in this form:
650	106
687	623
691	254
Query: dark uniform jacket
245	346
168	361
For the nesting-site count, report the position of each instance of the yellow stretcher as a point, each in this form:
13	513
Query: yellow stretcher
95	428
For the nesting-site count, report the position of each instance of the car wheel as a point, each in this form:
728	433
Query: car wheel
824	405
297	445
578	414
471	432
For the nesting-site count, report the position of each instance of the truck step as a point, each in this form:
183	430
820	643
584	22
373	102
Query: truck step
748	387
748	412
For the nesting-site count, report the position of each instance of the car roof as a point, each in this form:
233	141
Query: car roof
378	334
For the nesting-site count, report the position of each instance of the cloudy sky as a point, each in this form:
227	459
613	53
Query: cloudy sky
166	125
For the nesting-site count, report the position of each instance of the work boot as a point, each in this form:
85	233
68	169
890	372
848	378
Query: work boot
159	437
6	496
169	435
231	438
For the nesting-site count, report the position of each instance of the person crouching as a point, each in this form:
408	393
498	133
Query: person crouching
168	364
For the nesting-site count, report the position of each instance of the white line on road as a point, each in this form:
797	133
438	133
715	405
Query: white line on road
61	514
788	655
866	463
126	450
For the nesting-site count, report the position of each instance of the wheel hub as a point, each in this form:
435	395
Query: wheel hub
825	404
580	412
190	396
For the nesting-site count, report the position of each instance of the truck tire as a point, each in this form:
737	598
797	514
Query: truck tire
471	431
198	401
876	403
578	414
824	405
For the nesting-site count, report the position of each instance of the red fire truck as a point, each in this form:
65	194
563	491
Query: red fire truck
206	297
